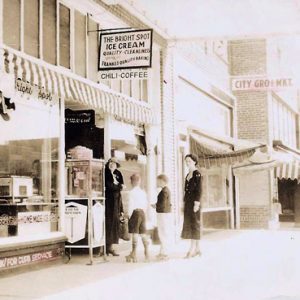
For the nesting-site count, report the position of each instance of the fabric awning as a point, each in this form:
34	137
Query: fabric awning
288	163
70	86
213	153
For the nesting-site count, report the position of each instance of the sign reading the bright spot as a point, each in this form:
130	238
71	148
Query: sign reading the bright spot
125	50
261	84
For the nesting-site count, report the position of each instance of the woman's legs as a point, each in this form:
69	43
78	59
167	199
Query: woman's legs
194	248
110	250
197	245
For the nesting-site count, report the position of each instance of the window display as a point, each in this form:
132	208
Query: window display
214	188
29	144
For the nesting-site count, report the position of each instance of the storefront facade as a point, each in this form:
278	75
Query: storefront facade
204	124
267	193
49	68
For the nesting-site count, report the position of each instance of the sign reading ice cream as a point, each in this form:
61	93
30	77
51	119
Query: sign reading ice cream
261	84
125	50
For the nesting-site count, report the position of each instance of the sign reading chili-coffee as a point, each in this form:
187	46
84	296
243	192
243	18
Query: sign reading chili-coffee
125	50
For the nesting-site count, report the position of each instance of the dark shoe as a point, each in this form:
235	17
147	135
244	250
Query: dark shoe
112	252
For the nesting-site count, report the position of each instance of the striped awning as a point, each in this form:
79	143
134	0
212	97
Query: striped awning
288	170
213	153
288	164
75	88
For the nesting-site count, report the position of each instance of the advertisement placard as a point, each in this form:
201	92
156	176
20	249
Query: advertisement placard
125	50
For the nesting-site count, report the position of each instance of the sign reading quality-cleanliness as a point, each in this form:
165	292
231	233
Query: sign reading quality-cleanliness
119	52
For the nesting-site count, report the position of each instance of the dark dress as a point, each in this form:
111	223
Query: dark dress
113	205
192	220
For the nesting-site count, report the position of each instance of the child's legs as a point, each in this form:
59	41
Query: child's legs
134	238
145	238
163	225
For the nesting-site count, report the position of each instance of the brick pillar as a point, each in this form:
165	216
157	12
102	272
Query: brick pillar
249	58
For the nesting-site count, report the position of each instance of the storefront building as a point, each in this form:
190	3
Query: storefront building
49	82
204	121
268	193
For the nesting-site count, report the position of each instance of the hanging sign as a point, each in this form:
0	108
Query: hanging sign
124	74
125	50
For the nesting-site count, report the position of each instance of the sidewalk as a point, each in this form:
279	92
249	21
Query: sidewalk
235	265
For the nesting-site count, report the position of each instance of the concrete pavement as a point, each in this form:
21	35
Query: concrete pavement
235	265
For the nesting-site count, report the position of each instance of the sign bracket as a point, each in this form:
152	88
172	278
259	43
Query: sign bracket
103	30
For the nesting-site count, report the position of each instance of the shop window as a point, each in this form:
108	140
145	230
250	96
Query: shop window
80	44
31	27
49	31
216	195
213	188
29	146
93	51
11	23
64	36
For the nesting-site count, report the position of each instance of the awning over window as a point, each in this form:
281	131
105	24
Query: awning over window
70	86
215	153
288	162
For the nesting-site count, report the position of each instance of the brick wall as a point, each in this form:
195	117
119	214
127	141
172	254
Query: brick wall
256	216
249	57
252	116
216	220
254	199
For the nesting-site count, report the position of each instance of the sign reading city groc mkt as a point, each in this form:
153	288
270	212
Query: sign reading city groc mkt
129	49
262	83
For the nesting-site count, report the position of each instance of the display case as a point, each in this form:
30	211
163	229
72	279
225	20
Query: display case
25	210
85	204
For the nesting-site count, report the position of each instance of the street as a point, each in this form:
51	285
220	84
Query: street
234	265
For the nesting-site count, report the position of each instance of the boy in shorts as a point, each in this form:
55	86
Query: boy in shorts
137	207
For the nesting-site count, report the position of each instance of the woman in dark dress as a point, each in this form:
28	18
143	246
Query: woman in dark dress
113	203
192	222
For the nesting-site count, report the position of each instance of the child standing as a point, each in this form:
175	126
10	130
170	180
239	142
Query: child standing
137	206
164	216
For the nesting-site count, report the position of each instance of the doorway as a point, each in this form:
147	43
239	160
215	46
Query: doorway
286	196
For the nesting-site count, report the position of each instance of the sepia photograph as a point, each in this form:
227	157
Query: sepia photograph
150	149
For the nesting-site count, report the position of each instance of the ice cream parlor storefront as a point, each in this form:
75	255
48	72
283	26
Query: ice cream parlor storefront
33	99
